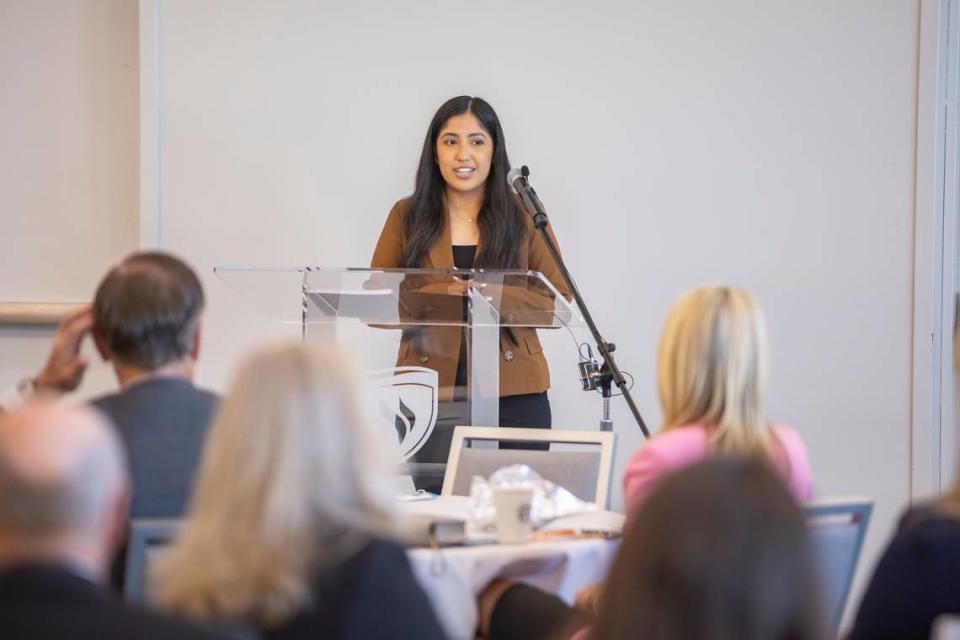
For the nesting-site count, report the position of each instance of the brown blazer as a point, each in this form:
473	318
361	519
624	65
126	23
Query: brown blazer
523	369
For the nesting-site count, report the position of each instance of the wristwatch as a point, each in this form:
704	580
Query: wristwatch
27	388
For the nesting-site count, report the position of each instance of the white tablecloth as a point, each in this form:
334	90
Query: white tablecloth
453	577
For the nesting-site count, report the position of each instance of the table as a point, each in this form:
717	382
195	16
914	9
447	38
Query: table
453	577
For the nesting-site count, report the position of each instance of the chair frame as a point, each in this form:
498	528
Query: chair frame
605	439
144	532
858	510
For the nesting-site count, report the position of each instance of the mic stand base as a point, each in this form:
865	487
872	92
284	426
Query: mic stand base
606	424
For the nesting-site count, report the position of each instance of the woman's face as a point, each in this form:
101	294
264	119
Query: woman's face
464	152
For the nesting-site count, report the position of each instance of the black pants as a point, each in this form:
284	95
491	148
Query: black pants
530	410
527	613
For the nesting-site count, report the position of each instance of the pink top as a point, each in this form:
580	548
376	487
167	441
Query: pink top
682	446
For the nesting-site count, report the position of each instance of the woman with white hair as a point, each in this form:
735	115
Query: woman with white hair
289	524
711	378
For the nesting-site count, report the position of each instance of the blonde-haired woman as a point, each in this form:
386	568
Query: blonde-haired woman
711	373
287	531
711	378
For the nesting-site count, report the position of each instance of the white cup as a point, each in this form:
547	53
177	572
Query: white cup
513	514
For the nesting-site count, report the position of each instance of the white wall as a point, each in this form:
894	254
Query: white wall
68	166
770	145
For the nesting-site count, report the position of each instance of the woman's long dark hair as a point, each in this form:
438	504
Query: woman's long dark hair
720	550
501	222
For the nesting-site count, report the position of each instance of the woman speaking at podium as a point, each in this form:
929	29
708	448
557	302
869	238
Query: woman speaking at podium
464	215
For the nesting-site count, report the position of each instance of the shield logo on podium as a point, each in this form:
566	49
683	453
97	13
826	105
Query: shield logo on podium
407	400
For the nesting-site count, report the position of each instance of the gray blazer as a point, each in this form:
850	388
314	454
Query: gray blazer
162	423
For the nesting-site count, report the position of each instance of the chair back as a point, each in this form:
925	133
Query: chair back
147	536
837	529
579	461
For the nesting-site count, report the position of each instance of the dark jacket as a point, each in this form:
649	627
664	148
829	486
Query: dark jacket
40	602
917	579
370	596
162	422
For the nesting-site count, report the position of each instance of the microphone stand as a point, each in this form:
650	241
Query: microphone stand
609	373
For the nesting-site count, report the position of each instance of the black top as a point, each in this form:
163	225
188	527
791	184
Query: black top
47	602
917	579
464	255
162	423
370	596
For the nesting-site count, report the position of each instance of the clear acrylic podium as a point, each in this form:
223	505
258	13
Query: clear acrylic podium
428	341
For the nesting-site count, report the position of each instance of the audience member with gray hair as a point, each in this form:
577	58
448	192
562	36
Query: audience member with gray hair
146	322
63	508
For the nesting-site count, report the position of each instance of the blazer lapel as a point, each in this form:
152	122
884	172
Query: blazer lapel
441	253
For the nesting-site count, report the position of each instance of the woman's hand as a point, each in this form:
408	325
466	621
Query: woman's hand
458	287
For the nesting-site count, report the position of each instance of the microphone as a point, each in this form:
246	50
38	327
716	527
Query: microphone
517	178
589	371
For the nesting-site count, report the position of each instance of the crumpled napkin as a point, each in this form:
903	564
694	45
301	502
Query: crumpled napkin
550	501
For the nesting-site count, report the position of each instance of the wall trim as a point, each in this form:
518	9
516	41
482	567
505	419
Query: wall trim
19	314
951	248
933	435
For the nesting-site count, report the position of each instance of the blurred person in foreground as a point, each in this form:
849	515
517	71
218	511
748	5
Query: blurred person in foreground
63	501
718	551
918	577
289	529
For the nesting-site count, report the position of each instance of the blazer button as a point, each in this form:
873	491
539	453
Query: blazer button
423	357
508	355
